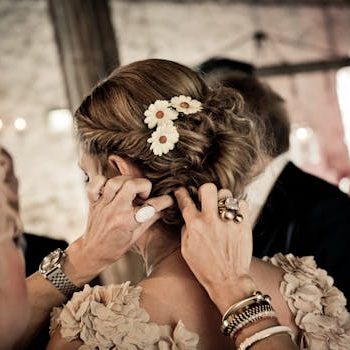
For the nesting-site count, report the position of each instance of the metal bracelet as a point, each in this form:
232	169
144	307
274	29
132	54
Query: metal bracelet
249	314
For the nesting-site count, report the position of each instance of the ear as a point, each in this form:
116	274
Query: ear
121	166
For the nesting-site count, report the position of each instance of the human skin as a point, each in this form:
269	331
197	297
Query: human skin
80	251
36	296
110	226
172	269
13	292
231	275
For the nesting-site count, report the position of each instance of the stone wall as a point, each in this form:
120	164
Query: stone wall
31	84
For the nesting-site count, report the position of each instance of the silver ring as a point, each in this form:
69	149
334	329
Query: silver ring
144	213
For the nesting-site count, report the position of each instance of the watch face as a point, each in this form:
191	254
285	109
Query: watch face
50	261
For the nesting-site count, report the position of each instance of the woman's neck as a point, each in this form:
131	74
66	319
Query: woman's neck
157	247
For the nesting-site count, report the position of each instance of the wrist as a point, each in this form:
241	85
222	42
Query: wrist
232	291
78	265
255	328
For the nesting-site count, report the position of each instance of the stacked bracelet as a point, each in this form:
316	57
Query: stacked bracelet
246	312
265	333
250	315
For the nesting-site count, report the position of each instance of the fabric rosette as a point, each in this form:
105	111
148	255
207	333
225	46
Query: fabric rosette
318	306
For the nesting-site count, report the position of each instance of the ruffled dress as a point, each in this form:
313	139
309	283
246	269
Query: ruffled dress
110	317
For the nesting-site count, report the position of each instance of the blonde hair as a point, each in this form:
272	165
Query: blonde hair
218	144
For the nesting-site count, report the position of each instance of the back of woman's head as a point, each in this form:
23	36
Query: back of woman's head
216	144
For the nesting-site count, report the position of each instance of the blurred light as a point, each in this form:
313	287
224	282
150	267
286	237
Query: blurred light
20	124
344	185
304	147
60	120
303	134
1	124
343	92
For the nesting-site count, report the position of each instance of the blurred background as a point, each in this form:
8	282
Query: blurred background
54	51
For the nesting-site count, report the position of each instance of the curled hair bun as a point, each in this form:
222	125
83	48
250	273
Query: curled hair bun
218	144
221	98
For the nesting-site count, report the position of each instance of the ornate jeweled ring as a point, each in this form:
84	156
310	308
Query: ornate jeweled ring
228	208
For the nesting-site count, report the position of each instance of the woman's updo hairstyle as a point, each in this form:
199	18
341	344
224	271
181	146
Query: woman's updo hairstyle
219	144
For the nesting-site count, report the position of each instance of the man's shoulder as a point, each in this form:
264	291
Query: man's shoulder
304	187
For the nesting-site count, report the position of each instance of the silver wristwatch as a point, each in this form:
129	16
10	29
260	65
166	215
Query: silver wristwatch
51	269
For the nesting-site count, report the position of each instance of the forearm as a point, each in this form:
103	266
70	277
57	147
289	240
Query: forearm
43	296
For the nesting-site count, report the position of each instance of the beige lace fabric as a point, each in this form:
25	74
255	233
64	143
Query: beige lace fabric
318	306
110	317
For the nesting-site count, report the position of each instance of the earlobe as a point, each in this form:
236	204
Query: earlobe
122	166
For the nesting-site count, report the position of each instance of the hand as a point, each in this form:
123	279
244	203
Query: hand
218	251
111	227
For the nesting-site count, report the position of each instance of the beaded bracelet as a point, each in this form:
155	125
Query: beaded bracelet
248	315
245	312
235	335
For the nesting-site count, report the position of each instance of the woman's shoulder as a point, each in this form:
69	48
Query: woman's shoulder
111	317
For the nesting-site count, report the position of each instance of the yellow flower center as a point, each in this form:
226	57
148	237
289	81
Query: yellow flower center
160	114
184	105
163	139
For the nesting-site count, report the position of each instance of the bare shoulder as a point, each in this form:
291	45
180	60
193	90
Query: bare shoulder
160	299
169	299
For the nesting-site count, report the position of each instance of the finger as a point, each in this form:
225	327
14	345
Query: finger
145	212
187	207
244	210
184	242
94	188
160	203
208	196
130	189
111	188
184	234
224	193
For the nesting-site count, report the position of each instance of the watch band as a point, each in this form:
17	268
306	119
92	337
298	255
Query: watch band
51	269
62	282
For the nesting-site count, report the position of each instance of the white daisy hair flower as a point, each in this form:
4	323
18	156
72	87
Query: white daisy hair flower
185	104
164	138
158	113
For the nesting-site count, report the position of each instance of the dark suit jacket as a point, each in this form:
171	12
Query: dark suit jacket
305	215
37	247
